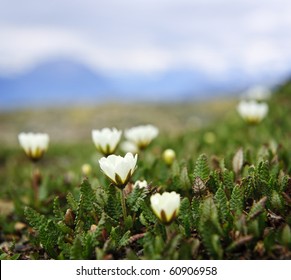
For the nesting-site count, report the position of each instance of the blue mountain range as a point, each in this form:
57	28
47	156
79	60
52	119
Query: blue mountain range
65	82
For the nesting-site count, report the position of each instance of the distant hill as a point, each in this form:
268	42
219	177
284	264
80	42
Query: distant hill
52	82
61	82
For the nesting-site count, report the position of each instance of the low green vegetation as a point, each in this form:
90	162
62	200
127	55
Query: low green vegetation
233	179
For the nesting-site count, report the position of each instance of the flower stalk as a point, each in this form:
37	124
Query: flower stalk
123	204
35	183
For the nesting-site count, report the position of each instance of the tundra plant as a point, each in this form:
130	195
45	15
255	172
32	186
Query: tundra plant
252	111
169	156
166	206
140	184
141	135
106	140
34	144
119	170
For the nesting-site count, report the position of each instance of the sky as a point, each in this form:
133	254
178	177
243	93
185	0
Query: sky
217	37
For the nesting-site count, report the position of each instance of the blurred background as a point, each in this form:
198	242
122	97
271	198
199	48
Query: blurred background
115	54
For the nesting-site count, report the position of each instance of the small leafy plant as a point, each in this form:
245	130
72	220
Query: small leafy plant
232	199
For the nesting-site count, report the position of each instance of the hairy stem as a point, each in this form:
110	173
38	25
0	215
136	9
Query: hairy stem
36	181
123	205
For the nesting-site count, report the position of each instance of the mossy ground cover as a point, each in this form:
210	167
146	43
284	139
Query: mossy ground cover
234	182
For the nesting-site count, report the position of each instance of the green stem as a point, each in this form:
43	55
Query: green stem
168	232
123	205
36	181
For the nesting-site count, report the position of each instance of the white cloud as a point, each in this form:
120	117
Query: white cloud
215	36
22	47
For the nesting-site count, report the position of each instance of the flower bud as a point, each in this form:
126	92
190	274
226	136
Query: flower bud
86	169
169	156
69	218
93	228
209	137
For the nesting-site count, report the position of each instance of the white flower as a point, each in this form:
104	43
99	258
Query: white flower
141	135
106	140
118	169
166	206
129	147
140	184
34	144
259	93
169	156
252	111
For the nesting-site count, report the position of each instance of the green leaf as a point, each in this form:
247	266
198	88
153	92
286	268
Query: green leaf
49	235
184	179
228	179
263	171
48	231
185	215
57	209
286	236
88	196
76	249
35	219
73	203
208	211
136	198
222	204
236	200
276	200
257	209
210	229
124	240
148	214
113	204
195	211
210	239
128	223
202	168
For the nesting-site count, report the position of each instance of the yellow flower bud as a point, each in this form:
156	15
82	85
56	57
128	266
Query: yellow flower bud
169	156
86	169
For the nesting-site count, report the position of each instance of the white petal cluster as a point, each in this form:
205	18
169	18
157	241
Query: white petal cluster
252	111
34	144
259	93
166	206
129	147
118	169
106	140
140	184
141	135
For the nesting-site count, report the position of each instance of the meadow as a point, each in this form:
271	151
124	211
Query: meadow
233	179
